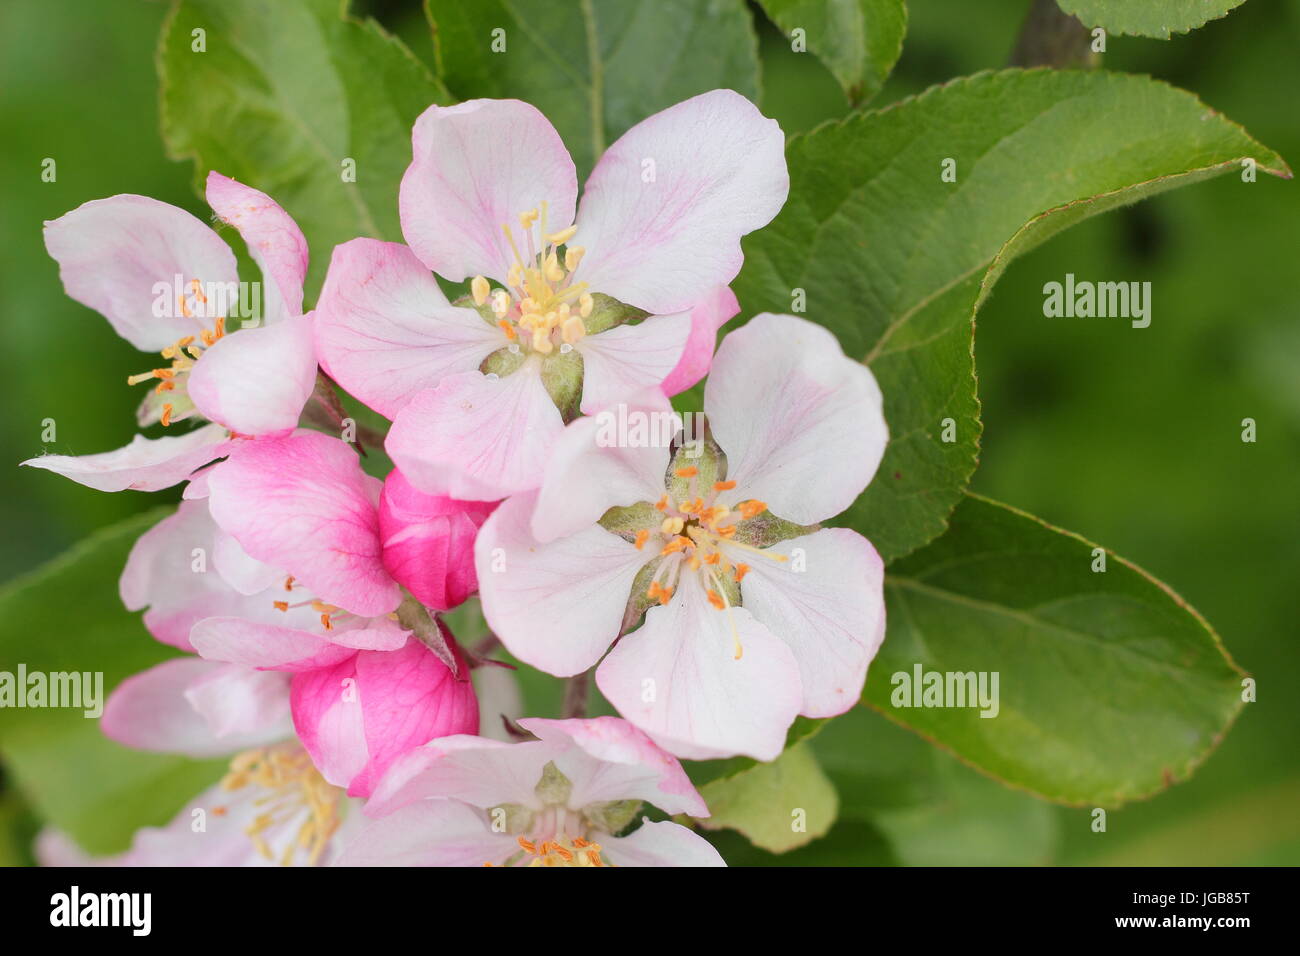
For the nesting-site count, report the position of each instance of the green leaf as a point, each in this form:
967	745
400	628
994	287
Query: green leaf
595	67
1149	18
1110	687
930	809
283	95
895	261
778	806
66	616
858	40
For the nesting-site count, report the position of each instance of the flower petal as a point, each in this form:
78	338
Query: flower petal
303	503
430	833
664	242
385	331
627	358
408	697
328	718
616	457
256	381
707	318
618	762
150	711
113	252
475	770
237	700
678	680
273	239
556	606
147	464
831	613
476	166
660	844
429	541
274	647
809	446
477	439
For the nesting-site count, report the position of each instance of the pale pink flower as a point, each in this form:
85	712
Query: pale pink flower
560	800
754	615
476	393
167	282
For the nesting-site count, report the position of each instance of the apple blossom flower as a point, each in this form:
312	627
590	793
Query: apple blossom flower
167	282
479	394
360	688
752	614
559	800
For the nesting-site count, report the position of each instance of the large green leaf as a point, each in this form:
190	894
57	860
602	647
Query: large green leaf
895	260
284	94
932	810
858	40
1110	687
595	67
66	616
1149	18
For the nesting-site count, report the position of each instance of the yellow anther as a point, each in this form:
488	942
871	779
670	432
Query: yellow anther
479	288
572	256
672	526
585	304
563	236
572	330
500	303
553	272
542	341
690	471
641	537
526	219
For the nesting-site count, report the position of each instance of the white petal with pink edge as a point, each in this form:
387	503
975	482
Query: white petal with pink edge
556	606
809	447
627	358
430	833
662	242
477	166
476	438
385	331
828	606
113	252
661	844
147	464
678	679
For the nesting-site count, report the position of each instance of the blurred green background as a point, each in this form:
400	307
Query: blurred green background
1129	437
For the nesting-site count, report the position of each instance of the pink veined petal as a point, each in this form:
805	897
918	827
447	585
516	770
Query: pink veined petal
810	446
708	317
113	252
481	772
663	242
408	697
678	680
429	541
618	456
477	166
609	759
150	711
660	844
327	715
256	381
618	362
303	503
235	567
430	833
832	614
147	464
556	606
238	700
477	439
385	331
273	239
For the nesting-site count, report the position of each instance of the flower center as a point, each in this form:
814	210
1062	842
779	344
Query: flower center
182	354
541	306
293	788
696	534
